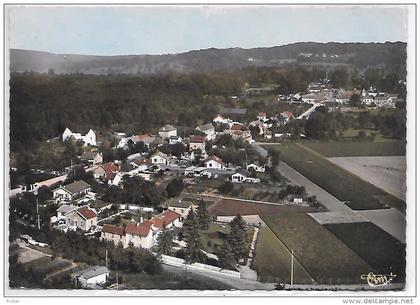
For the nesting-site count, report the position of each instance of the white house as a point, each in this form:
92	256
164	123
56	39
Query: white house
215	162
244	176
92	157
88	139
167	219
174	140
139	234
197	142
256	167
91	276
262	116
167	131
82	218
71	191
220	119
208	130
160	158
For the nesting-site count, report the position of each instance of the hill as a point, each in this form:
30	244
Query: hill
389	56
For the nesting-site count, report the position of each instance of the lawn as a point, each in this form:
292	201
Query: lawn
358	149
324	256
347	187
382	251
213	237
272	261
230	207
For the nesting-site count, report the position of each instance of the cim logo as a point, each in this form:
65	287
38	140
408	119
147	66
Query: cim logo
375	280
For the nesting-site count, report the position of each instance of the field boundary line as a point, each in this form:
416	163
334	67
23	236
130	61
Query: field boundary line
399	208
288	250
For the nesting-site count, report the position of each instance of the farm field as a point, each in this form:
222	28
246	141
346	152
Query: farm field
230	207
382	251
272	261
358	149
324	256
385	172
345	186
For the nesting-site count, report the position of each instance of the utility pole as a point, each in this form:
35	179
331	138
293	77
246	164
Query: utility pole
37	212
117	280
106	258
291	269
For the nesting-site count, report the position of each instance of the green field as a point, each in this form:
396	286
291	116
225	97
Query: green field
358	149
272	261
347	187
382	251
324	256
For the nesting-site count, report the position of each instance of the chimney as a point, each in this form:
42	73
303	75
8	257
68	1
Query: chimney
141	219
137	224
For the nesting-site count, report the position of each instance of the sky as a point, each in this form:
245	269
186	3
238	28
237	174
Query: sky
121	30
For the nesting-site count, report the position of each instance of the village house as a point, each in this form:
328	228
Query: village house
147	139
167	219
71	191
243	176
160	158
240	131
64	209
105	172
82	218
286	116
91	157
220	119
367	100
92	276
256	167
174	140
309	98
167	131
262	116
140	235
113	233
182	207
197	142
208	130
87	139
215	162
141	164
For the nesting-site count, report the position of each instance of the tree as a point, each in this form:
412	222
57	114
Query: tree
175	187
165	242
193	252
203	216
225	255
237	238
355	100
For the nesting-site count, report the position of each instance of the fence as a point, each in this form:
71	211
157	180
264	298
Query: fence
180	263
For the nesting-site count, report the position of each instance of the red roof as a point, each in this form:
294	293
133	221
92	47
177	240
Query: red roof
113	229
142	161
141	229
110	169
144	137
165	218
287	114
197	139
262	114
240	127
86	213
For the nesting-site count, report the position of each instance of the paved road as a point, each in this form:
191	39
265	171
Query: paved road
240	284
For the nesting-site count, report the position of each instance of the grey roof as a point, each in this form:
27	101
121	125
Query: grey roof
76	187
91	272
88	155
66	208
205	127
167	127
234	111
243	172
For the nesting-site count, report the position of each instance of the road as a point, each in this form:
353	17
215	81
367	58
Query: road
328	200
240	284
